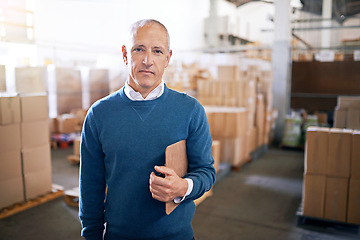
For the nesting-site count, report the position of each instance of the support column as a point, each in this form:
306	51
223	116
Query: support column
281	62
212	26
326	14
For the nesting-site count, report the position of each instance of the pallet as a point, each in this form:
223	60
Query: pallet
71	197
73	159
326	225
203	197
57	191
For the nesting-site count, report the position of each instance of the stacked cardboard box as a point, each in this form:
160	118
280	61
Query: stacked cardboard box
31	79
99	84
68	90
251	89
228	126
35	145
24	148
11	181
332	162
347	112
2	79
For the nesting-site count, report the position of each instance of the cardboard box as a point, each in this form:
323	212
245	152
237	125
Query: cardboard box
355	156
11	183
353	212
316	150
36	158
233	151
345	102
228	73
34	134
314	195
216	152
336	198
10	165
37	183
77	142
339	154
9	109
2	79
11	192
10	138
31	79
68	124
353	119
340	118
34	107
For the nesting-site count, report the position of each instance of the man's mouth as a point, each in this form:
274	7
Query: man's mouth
146	71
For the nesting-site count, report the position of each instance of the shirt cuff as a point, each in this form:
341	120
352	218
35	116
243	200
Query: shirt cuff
190	187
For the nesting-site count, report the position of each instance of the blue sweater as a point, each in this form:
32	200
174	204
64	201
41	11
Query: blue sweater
122	141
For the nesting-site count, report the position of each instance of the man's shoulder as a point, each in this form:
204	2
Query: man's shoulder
107	100
181	96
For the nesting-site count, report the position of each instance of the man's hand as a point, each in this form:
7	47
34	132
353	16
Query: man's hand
168	188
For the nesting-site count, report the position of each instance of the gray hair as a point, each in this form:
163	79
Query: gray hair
135	26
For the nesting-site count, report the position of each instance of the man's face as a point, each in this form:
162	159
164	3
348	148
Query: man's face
147	57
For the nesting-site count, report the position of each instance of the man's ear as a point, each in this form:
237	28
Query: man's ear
168	58
124	53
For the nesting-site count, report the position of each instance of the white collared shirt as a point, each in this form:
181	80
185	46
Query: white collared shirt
136	96
156	93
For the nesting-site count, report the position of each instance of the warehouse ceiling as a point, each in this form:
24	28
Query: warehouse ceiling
342	9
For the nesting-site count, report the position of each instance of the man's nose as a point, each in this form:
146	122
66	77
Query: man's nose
148	58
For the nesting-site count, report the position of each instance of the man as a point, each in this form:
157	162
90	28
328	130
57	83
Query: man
123	144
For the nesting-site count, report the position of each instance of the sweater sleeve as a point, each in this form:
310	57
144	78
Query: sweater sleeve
92	181
199	152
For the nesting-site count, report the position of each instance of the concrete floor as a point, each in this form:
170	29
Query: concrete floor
258	202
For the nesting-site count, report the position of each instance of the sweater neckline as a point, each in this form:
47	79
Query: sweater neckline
144	102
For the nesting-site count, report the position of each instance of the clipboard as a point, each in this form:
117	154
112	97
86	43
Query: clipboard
176	159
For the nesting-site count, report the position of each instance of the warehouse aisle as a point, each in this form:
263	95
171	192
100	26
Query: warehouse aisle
258	202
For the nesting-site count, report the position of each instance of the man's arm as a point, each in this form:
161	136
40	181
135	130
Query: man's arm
199	153
92	181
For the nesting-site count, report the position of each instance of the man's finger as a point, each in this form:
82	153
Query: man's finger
165	170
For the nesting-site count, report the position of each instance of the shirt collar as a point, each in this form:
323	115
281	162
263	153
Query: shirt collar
136	96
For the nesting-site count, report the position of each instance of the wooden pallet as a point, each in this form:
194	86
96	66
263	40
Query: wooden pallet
57	191
331	226
73	159
203	197
71	197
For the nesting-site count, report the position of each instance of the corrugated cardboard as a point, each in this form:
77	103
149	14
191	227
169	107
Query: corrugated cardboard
36	158
10	138
336	198
37	183
34	134
339	154
348	102
11	184
68	124
31	79
10	165
340	118
77	142
314	195
11	192
34	107
355	156
353	212
228	73
2	79
9	109
353	119
316	150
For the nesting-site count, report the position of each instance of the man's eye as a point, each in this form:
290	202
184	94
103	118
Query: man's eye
137	50
158	52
